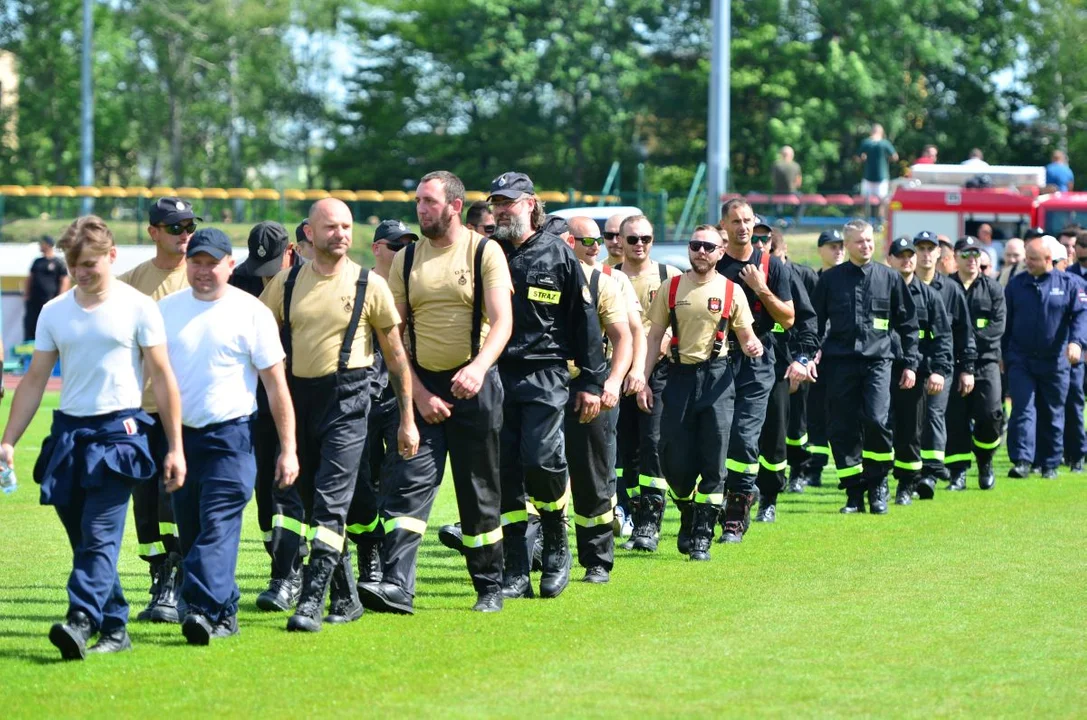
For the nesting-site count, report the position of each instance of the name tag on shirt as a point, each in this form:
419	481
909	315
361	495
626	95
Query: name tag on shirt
551	297
1056	291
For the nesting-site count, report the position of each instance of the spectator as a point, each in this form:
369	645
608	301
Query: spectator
786	172
876	153
1067	238
480	218
1057	173
987	264
48	278
994	248
1014	253
976	160
928	156
947	263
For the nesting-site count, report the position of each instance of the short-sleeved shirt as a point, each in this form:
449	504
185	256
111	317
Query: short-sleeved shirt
321	308
216	349
611	305
1059	175
878	154
626	289
45	276
699	307
784	174
157	284
442	282
646	285
100	348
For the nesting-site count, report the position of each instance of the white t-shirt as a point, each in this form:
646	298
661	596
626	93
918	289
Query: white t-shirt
216	349
100	348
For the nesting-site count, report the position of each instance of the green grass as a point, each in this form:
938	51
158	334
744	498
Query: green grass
969	605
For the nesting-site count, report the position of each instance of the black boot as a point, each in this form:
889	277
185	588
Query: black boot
737	517
556	554
705	517
767	508
197	629
686	523
158	569
385	597
854	500
316	576
1020	470
344	605
796	480
371	570
632	508
877	496
282	593
814	477
452	537
958	481
926	487
165	609
534	542
904	496
115	640
70	637
986	476
647	522
516	582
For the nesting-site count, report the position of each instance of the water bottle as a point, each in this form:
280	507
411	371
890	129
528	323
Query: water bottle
8	482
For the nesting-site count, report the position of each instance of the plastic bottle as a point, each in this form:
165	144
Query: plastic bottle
8	481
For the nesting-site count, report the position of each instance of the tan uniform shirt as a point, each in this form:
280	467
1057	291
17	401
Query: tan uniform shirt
699	307
646	286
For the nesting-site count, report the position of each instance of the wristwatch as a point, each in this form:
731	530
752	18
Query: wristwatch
803	360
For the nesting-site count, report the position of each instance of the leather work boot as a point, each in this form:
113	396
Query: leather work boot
282	593
165	608
647	522
226	627
596	575
197	629
516	582
158	568
370	566
70	637
534	542
451	537
958	481
115	640
705	517
344	605
986	476
556	554
1020	470
767	512
686	522
854	500
877	496
904	496
386	597
488	602
316	576
737	517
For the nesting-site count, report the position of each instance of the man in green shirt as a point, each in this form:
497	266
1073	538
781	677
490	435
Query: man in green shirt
876	153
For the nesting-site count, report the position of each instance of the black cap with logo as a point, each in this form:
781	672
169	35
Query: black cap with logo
267	243
967	243
1034	232
925	236
512	185
170	210
829	236
902	245
394	231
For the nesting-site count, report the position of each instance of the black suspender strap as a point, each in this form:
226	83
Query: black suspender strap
594	288
662	270
409	260
353	324
674	343
477	297
285	331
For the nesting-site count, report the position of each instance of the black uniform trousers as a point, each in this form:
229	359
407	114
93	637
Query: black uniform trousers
222	471
908	414
772	441
378	457
754	381
533	457
156	531
983	409
818	446
859	420
934	430
1075	435
796	432
698	405
330	416
587	456
638	437
470	437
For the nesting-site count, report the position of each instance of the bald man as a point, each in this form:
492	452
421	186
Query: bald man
612	241
325	310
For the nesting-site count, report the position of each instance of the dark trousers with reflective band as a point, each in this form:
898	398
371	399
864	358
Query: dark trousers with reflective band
934	429
222	471
156	531
638	436
818	446
1037	385
754	381
796	433
772	441
859	425
330	414
698	405
908	413
266	451
590	486
983	409
470	436
1075	438
378	457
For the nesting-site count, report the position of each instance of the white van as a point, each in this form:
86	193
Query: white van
665	252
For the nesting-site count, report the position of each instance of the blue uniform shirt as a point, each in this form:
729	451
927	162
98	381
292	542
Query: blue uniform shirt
1044	315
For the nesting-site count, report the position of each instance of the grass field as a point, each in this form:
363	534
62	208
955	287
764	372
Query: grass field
972	604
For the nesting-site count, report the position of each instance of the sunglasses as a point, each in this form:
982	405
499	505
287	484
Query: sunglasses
696	245
760	239
609	236
394	246
970	254
589	241
635	239
488	229
178	228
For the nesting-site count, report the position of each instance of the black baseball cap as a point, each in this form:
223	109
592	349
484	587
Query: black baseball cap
760	222
267	242
300	232
170	210
830	236
968	243
555	225
48	240
902	245
1034	232
512	185
212	241
394	231
926	236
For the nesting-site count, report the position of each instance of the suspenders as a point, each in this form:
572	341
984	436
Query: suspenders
352	325
722	324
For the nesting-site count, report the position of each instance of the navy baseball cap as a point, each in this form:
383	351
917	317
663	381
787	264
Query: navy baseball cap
394	231
926	237
512	185
1034	232
830	236
267	243
170	210
760	222
968	242
48	240
212	241
300	232
902	245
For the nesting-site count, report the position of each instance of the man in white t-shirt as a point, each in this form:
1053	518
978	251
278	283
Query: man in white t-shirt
220	339
97	449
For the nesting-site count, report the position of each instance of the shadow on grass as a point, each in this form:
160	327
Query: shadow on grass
35	659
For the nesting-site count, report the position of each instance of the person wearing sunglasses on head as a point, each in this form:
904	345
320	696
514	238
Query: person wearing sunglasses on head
701	308
613	240
765	281
171	224
479	218
642	484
